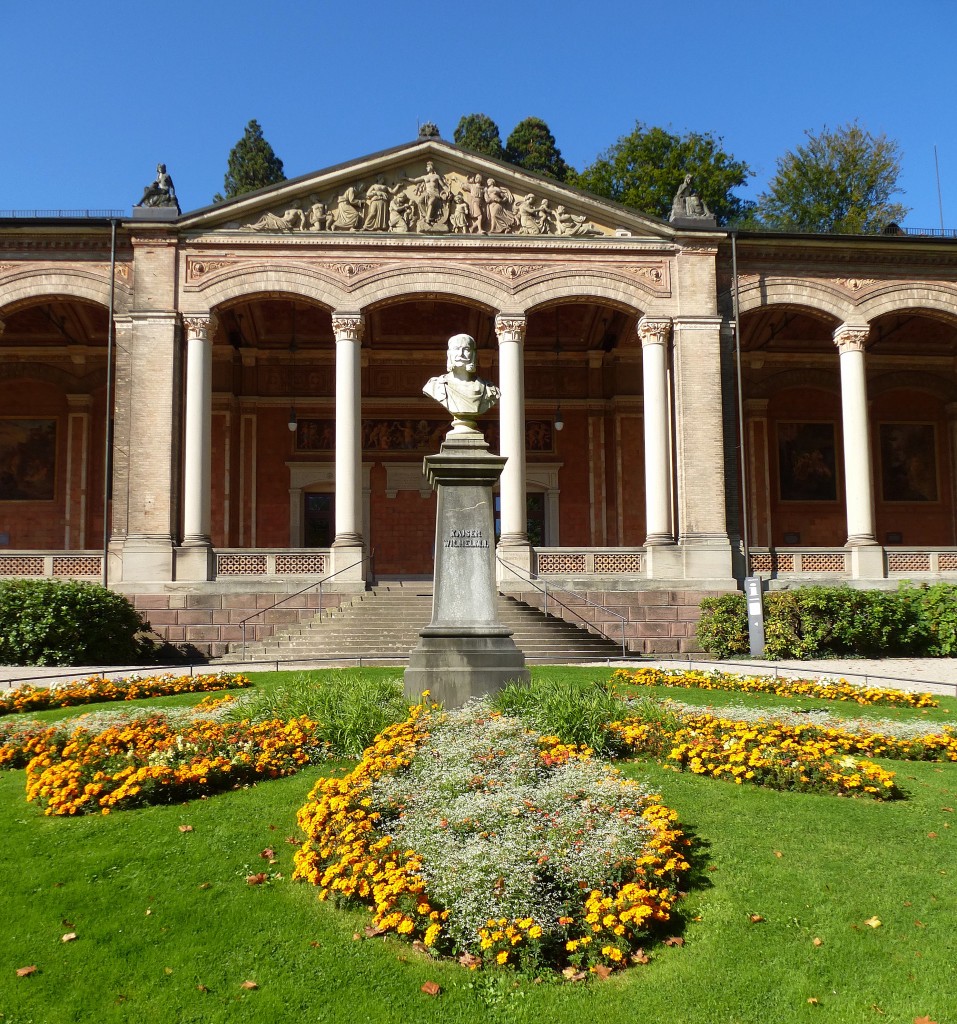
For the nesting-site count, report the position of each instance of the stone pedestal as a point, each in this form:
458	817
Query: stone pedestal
464	651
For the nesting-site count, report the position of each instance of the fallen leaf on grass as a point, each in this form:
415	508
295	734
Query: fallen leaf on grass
639	957
314	944
293	841
205	885
419	946
268	854
919	924
257	879
202	988
812	1001
674	940
470	960
23	972
186	828
356	936
949	810
371	931
924	1020
250	985
778	853
602	971
755	918
817	942
148	912
873	922
572	975
431	988
167	970
931	835
69	937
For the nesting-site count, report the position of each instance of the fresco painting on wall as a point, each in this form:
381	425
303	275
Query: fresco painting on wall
807	464
908	462
27	460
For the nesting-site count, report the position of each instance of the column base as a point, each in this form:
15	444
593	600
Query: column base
148	558
517	555
867	561
664	562
348	565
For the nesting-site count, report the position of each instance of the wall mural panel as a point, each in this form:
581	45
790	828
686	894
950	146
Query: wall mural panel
807	463
908	462
27	460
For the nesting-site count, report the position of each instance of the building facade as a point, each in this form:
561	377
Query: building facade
209	410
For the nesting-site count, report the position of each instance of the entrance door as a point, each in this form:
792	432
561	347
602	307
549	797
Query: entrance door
319	520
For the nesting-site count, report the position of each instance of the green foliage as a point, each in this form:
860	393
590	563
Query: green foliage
532	146
252	165
49	622
576	711
840	181
723	626
645	169
825	622
350	709
479	133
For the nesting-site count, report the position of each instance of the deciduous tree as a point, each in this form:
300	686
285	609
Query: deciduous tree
645	169
252	165
839	181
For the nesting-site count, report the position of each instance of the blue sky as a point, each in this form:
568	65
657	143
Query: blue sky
96	93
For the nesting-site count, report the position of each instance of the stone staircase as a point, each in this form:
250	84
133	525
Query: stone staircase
383	625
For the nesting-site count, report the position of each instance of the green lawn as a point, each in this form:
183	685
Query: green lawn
168	929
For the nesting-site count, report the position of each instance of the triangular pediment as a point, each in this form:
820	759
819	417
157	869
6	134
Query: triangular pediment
431	188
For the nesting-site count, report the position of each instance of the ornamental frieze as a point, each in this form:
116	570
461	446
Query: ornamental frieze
429	203
196	269
855	284
409	435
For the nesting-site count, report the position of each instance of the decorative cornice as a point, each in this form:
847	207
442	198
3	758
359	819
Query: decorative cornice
854	284
513	271
653	330
851	338
348	326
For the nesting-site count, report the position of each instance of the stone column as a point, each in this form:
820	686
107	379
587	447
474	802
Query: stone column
514	515
858	473
348	329
654	335
194	558
77	471
197	461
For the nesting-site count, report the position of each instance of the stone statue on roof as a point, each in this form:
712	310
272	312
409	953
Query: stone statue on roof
161	192
689	208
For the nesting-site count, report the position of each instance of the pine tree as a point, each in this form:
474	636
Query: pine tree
252	165
532	146
479	133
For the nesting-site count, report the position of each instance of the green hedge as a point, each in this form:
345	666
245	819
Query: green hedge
49	622
824	622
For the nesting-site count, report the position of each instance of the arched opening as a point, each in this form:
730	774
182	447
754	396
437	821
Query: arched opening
53	367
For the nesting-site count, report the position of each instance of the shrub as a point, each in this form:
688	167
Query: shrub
49	622
822	622
723	626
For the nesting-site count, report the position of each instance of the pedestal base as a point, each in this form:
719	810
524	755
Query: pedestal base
455	669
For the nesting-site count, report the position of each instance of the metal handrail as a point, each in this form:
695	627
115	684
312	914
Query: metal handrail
370	558
532	577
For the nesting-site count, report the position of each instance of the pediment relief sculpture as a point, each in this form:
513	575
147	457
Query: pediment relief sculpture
428	203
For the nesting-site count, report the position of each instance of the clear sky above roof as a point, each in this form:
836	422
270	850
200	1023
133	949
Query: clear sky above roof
96	93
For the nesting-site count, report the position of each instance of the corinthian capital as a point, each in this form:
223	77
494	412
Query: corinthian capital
851	337
654	330
199	325
348	326
510	328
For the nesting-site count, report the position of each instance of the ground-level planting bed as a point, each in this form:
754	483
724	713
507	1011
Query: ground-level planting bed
797	905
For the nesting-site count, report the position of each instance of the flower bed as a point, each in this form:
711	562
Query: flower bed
804	757
96	689
153	760
465	830
837	690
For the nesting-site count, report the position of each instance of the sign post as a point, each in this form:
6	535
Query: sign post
752	594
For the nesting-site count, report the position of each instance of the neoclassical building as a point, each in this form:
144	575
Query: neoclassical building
210	409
